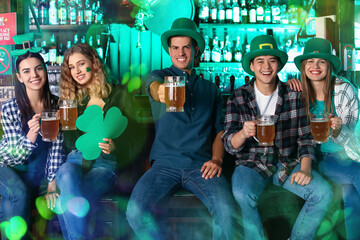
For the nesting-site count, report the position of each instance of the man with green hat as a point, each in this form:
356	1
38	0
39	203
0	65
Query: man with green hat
286	162
187	151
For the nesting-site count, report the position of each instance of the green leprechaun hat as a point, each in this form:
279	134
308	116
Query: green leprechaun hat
319	48
263	45
184	27
24	43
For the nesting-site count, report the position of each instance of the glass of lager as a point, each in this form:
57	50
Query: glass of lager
265	130
49	125
174	93
320	129
68	114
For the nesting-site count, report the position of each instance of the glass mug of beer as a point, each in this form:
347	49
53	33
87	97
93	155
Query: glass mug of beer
320	130
49	125
68	114
265	130
174	93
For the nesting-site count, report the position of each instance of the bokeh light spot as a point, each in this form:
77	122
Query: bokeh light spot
125	78
79	206
42	208
15	228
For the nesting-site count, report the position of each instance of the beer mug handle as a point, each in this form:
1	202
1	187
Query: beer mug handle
255	138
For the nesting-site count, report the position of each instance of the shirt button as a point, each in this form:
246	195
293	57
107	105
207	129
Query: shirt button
191	94
193	108
187	81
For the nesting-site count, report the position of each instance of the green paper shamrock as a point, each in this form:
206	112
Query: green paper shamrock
96	129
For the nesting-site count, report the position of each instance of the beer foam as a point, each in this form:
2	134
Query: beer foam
265	124
319	120
49	119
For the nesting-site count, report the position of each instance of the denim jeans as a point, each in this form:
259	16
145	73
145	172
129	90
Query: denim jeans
74	184
247	186
160	182
342	170
15	197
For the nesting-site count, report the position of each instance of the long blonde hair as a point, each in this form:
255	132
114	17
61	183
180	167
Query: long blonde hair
309	94
70	89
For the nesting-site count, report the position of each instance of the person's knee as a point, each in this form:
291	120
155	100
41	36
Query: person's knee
66	172
323	193
245	198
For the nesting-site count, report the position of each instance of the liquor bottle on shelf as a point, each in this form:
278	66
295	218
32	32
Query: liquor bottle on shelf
228	12
99	49
252	12
79	13
204	11
35	7
44	52
237	51
76	39
245	46
221	51
267	12
53	18
311	28
275	12
71	9
236	12
260	12
215	52
227	53
98	15
244	12
68	45
88	13
62	12
221	12
284	15
43	12
60	54
213	12
91	43
52	51
205	57
232	83
293	12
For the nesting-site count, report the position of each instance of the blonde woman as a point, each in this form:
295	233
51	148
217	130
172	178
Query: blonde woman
84	78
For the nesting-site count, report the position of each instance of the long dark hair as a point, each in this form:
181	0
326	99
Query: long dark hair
22	99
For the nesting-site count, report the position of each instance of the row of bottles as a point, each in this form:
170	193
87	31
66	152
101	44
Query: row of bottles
254	11
53	52
62	12
223	52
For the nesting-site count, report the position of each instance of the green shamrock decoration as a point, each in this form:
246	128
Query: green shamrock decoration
96	129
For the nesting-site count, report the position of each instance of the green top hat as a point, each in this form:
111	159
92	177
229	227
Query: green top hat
24	43
261	46
318	48
184	27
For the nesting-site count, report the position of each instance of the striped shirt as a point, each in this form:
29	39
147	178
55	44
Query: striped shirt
292	141
16	148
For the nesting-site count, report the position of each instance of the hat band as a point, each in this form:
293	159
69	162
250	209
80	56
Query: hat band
25	45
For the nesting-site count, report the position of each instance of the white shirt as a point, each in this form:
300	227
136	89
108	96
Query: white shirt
266	103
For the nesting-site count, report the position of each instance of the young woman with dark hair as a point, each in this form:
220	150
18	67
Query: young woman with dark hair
26	161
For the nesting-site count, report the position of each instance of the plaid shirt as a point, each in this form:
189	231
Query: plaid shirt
292	141
346	105
16	148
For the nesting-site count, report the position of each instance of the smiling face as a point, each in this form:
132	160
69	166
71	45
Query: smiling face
316	68
182	53
80	68
265	68
32	73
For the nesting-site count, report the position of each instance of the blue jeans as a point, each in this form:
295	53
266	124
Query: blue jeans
74	184
342	170
248	185
160	182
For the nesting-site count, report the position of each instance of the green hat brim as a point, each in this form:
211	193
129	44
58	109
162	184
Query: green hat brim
335	61
18	52
183	32
263	52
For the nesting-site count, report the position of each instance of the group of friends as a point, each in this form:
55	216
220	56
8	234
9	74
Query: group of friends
189	146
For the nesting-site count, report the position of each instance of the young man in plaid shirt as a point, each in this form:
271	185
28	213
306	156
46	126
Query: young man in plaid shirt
288	162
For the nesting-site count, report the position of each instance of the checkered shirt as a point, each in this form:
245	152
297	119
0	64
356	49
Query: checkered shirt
15	147
292	141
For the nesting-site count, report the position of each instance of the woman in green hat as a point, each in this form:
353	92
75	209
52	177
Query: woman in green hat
26	161
324	92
